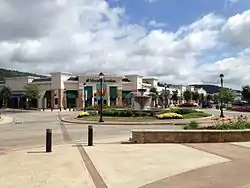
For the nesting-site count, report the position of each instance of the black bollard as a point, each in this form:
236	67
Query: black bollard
90	135
48	140
60	109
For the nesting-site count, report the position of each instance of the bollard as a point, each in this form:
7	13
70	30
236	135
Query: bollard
90	135
43	109
60	109
48	140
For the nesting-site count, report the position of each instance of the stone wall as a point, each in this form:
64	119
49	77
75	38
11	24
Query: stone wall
189	136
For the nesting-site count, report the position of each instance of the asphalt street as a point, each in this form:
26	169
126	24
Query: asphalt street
28	130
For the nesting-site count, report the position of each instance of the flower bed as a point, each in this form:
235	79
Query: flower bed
239	109
237	122
169	115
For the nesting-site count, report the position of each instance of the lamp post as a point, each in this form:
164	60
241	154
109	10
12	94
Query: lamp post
165	95
101	76
221	101
84	97
64	99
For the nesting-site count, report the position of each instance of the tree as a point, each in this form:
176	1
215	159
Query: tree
5	94
187	95
202	97
216	99
154	90
226	95
195	96
175	96
209	98
246	93
154	95
32	92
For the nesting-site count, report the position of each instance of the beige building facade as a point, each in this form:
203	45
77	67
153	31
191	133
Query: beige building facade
64	90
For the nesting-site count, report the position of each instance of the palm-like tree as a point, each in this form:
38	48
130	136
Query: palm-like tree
5	94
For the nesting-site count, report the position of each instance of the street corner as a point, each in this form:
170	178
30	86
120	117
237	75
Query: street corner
63	167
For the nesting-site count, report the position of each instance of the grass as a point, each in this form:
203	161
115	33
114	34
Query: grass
195	115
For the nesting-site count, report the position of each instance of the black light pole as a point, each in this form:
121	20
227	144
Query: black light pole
84	97
165	94
221	101
64	99
101	76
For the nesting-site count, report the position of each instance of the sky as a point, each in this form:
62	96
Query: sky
176	41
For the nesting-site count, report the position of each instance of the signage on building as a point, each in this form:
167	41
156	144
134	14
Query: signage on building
101	90
84	95
98	80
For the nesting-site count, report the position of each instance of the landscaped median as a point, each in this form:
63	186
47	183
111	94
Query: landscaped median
170	116
236	129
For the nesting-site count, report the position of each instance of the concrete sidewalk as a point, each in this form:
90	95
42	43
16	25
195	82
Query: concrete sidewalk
34	168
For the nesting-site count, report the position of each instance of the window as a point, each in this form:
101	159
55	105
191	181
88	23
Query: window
56	101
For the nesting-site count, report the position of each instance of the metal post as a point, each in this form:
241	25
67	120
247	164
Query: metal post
48	140
165	95
221	100
90	135
101	100
84	97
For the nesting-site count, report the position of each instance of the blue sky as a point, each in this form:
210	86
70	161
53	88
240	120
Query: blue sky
176	13
176	41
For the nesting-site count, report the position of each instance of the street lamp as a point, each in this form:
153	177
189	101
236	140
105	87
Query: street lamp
165	95
221	101
101	76
64	99
84	97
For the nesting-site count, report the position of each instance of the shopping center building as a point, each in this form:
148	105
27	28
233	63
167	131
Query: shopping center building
63	89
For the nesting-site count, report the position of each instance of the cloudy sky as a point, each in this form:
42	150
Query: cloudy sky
178	41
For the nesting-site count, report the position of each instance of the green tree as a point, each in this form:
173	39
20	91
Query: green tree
195	96
202	97
209	97
32	92
154	94
187	95
216	99
154	90
175	96
226	95
246	93
5	95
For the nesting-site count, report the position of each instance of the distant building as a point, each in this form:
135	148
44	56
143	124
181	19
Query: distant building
64	88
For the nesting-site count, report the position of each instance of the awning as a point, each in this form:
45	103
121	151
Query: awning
16	96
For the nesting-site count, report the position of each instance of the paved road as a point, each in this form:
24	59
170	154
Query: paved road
30	129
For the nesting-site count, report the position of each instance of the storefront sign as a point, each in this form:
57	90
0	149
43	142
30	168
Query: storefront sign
97	80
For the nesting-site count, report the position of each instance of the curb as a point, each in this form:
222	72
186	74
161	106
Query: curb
137	122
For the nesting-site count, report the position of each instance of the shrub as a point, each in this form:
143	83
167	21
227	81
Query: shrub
169	116
82	114
199	111
242	109
187	105
192	125
108	112
182	111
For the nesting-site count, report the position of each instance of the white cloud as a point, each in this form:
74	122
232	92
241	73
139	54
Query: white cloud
87	35
156	24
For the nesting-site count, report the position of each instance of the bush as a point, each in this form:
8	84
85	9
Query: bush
169	116
182	111
108	112
82	114
241	109
199	111
187	105
196	115
192	125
